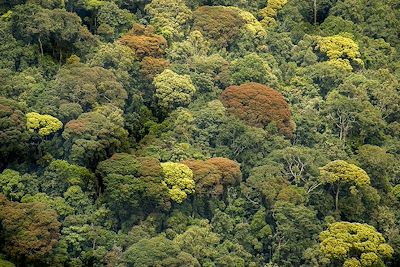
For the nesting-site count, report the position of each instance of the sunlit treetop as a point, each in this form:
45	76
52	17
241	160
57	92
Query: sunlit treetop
341	51
169	16
341	171
179	180
270	12
42	124
173	90
354	244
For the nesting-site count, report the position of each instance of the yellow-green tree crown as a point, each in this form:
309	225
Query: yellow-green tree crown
42	124
270	12
341	51
169	16
179	180
341	171
355	244
173	90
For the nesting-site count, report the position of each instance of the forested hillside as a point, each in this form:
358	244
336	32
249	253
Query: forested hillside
215	133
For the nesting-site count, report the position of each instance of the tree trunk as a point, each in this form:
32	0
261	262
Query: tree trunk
337	199
41	46
315	11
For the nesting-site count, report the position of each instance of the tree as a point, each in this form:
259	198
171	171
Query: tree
354	244
230	170
179	180
5	263
94	136
14	53
209	248
341	109
132	185
150	67
77	199
194	45
113	21
173	90
376	53
31	28
212	177
378	163
385	221
349	105
16	84
376	16
14	185
114	57
31	230
144	42
60	175
340	173
86	239
229	27
220	24
258	105
324	76
301	165
158	251
384	95
341	51
265	183
200	242
227	136
206	177
44	125
296	229
170	17
270	12
13	133
251	68
123	164
53	30
89	87
58	204
334	25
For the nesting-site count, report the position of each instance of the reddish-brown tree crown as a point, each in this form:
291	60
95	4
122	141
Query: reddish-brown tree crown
218	23
144	42
258	105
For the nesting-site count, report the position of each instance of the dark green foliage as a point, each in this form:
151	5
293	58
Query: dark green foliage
113	21
159	251
60	175
298	226
89	86
132	185
94	136
56	31
13	133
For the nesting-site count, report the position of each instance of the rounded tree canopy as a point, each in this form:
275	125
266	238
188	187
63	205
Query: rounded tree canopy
354	243
341	171
43	124
258	105
179	180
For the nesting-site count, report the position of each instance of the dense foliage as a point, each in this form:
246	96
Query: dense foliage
199	133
